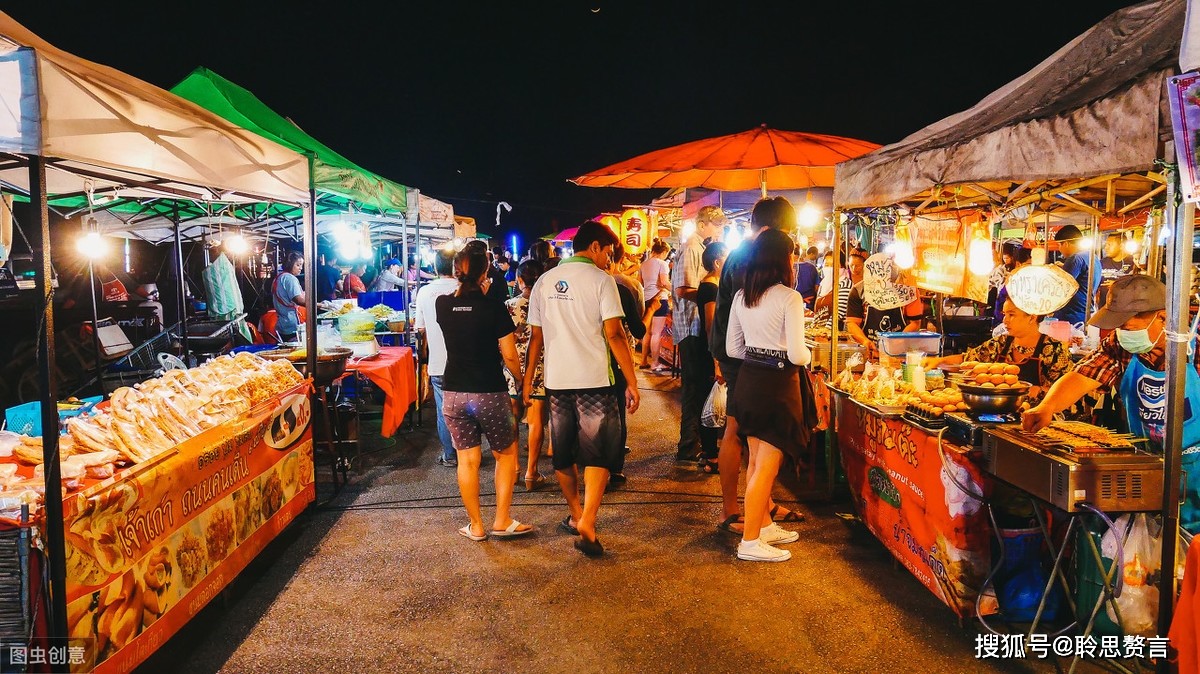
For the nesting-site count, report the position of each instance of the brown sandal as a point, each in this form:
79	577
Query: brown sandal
534	483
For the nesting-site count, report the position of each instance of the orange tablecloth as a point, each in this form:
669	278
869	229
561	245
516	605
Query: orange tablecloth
395	372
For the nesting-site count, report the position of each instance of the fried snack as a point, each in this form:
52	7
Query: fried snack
154	583
305	467
272	496
190	558
158	414
246	513
28	454
119	613
95	530
218	534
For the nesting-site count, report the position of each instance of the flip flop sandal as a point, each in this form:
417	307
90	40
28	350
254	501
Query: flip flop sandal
465	532
791	516
535	483
565	526
727	524
512	531
710	468
592	549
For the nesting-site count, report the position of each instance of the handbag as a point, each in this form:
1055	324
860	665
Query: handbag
810	419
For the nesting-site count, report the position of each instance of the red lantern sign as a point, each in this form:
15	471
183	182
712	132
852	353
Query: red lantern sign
635	232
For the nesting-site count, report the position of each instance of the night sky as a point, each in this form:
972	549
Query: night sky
473	103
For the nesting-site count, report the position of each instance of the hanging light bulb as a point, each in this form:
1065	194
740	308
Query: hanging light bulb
902	247
90	245
1131	246
809	213
237	244
979	256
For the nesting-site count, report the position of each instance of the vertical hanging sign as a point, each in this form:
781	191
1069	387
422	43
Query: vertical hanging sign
635	231
1183	91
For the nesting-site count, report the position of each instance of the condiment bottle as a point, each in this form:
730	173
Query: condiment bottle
918	378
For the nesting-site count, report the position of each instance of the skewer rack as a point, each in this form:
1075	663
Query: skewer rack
1121	479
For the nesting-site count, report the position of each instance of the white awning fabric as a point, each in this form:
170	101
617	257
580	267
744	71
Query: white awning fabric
100	128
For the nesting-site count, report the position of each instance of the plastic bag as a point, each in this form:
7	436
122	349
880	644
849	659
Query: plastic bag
713	415
1143	556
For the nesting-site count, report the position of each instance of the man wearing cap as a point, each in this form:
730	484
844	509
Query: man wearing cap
389	276
1077	264
1132	358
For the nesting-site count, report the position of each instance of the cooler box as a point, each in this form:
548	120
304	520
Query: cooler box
894	346
391	298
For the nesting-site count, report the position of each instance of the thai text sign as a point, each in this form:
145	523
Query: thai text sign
908	500
151	546
1040	290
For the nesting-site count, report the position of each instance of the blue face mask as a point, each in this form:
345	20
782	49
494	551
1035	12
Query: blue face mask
1135	341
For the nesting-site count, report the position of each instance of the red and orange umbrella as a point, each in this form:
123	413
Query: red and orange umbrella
742	161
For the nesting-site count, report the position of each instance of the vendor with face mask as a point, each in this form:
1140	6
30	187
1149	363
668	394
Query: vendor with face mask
1132	359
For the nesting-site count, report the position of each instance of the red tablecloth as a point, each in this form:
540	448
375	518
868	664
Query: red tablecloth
395	372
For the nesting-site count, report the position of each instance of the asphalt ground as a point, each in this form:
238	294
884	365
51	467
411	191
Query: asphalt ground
377	580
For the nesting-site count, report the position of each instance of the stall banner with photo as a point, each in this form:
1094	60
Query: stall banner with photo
1183	91
940	248
910	503
151	546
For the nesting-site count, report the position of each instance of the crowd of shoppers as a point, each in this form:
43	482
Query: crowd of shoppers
550	342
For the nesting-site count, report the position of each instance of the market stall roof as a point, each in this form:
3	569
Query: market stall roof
101	129
1082	129
332	173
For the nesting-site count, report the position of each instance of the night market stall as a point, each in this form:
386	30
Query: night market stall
360	213
1085	133
152	503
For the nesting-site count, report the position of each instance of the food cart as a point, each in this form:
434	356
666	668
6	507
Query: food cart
1046	143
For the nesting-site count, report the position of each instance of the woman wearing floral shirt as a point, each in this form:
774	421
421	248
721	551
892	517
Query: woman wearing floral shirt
1042	360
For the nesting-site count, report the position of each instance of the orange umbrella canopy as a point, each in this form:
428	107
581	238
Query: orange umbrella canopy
742	161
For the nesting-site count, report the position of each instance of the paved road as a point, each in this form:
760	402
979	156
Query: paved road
377	581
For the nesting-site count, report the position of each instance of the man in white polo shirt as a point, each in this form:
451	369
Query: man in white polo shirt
425	320
575	313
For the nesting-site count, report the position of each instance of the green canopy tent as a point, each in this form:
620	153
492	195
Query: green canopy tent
335	178
341	186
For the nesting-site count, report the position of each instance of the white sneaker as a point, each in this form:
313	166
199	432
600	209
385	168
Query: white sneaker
757	551
773	534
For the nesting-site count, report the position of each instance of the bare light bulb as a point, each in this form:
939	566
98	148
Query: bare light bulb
902	248
237	244
1131	246
90	245
979	259
809	215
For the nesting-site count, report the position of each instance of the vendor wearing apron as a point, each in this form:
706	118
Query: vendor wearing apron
1133	358
1042	360
881	304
